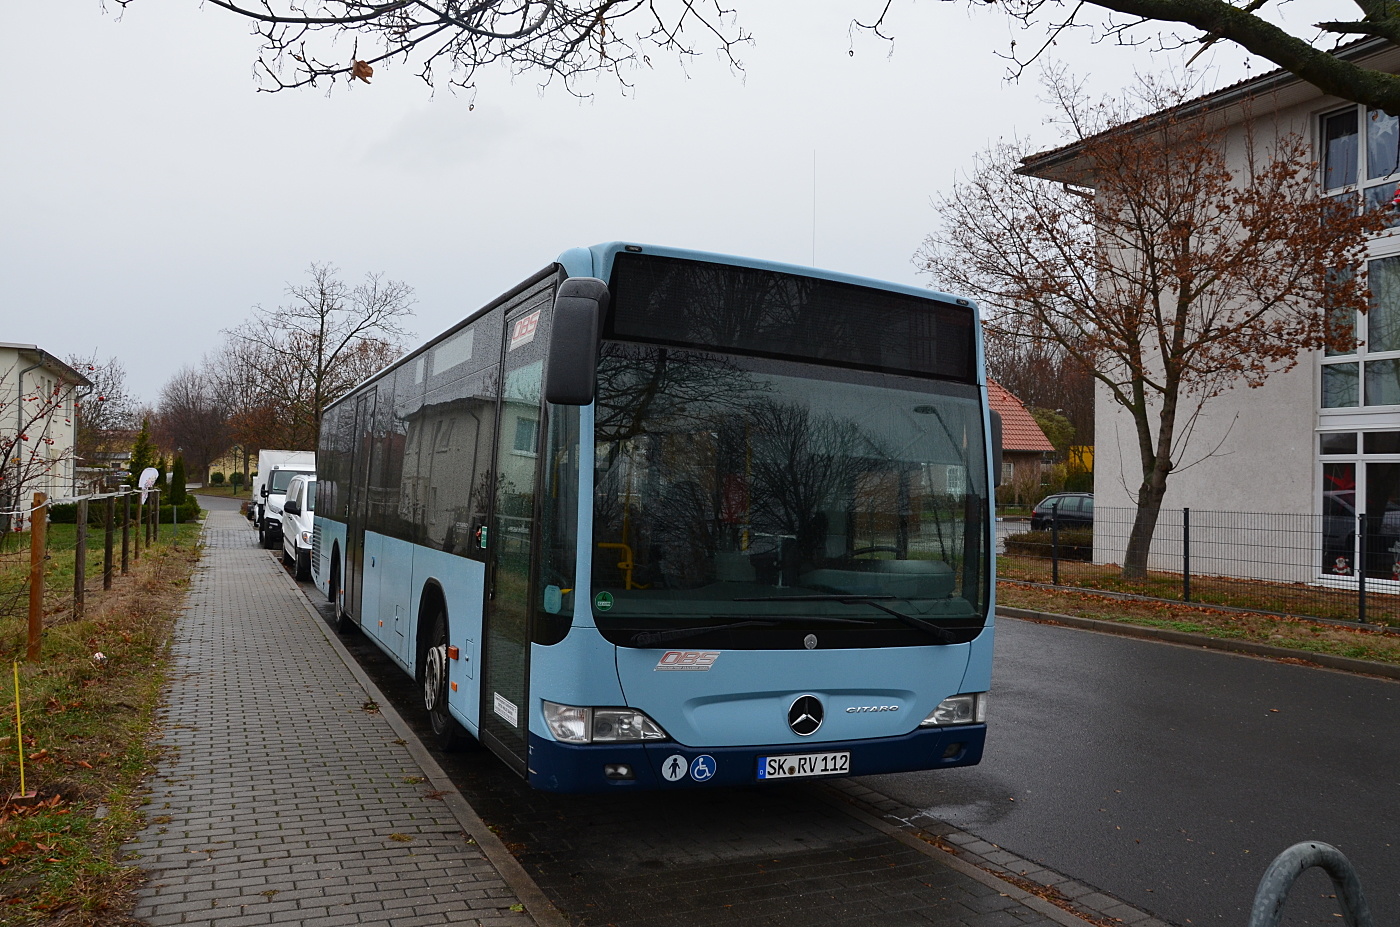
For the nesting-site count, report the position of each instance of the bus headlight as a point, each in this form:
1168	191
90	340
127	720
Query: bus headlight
958	709
573	725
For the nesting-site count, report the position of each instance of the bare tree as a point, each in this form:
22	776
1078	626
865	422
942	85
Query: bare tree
1044	375
309	41
1325	54
254	421
306	42
1173	278
106	413
191	420
1337	56
306	354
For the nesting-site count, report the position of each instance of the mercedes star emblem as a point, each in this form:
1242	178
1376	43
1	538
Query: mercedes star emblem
805	716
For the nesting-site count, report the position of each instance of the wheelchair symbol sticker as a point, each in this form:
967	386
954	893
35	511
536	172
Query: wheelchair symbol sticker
702	767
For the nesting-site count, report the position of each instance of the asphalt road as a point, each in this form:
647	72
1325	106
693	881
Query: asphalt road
1171	776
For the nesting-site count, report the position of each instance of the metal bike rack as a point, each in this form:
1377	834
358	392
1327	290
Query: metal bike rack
1293	862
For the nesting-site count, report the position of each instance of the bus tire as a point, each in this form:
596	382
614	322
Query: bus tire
446	731
342	622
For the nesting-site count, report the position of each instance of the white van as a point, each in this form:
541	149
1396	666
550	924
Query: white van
275	471
298	514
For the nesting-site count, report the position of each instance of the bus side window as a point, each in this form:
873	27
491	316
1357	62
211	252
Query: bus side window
451	437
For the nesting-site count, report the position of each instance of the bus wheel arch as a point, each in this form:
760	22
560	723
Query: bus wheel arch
341	622
433	667
333	588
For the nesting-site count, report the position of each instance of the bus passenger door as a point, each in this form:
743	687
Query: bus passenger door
511	535
359	504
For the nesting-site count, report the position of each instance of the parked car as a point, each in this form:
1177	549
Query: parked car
1069	509
269	487
298	514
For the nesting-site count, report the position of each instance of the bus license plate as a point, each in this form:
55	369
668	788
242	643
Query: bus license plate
803	764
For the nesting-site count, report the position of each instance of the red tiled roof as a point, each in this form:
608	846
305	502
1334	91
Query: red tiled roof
1019	432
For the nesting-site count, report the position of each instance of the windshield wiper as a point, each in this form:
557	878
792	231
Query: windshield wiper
939	634
648	638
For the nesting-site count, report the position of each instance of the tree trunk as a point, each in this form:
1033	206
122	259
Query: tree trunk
1150	496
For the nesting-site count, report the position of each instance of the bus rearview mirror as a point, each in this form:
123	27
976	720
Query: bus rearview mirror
996	447
572	365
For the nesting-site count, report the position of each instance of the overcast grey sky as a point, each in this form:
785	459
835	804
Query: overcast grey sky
151	197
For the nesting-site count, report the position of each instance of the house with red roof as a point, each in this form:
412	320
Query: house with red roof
1024	447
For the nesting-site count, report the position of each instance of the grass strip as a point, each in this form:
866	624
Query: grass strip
88	726
1300	634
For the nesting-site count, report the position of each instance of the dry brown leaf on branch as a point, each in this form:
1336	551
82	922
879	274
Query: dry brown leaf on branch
362	70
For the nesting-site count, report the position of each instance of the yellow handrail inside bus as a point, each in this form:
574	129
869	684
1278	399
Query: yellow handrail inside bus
625	564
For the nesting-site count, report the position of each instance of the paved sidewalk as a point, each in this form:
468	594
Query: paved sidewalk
288	796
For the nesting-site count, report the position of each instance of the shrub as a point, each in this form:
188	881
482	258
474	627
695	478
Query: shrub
1075	544
236	478
177	481
66	513
189	511
217	478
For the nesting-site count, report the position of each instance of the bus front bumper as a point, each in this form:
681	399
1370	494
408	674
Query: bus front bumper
557	767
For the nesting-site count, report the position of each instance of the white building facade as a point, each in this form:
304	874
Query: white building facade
38	417
1320	442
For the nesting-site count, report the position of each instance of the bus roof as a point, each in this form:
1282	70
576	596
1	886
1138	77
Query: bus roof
597	261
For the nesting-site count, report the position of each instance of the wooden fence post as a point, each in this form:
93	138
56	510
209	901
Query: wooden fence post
126	533
38	541
109	515
80	561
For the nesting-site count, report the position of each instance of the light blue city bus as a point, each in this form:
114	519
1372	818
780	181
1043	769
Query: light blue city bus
658	518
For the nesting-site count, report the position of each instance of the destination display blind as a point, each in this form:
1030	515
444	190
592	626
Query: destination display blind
746	310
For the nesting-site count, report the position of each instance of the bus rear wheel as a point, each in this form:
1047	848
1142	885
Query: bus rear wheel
446	731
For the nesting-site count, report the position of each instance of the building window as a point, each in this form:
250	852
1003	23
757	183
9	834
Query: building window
1360	155
956	479
1368	372
527	436
1360	477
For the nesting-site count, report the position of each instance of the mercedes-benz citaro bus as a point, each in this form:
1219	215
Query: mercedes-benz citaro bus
663	519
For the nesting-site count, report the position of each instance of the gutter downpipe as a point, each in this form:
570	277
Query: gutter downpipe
19	421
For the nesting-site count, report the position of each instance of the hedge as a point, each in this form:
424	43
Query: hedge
66	513
1075	544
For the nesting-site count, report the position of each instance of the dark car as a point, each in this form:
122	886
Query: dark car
1069	509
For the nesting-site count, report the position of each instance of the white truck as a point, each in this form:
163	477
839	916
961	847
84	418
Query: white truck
275	471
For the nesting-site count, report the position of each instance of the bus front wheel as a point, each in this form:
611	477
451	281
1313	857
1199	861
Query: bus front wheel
446	731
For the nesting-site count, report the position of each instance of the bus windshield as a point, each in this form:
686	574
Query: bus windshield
760	503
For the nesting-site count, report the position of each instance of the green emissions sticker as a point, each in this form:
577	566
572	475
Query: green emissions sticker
603	601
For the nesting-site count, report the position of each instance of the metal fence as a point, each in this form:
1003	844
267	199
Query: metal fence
1336	567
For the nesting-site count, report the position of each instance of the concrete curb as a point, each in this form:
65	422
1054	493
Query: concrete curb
536	903
1186	638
